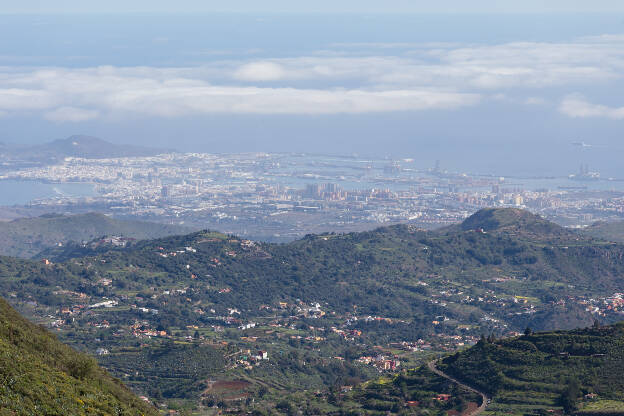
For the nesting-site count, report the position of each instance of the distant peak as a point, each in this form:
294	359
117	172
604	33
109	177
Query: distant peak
91	147
491	219
80	138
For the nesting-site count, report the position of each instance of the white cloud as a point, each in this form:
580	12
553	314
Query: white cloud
584	61
74	95
70	114
417	77
25	99
260	71
578	107
532	64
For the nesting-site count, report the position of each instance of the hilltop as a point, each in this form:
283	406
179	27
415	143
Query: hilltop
512	221
39	375
27	237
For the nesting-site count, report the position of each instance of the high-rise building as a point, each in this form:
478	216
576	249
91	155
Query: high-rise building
165	192
313	190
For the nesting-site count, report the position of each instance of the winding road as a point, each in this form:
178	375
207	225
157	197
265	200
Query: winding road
485	399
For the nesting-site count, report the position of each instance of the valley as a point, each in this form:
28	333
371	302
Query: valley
173	316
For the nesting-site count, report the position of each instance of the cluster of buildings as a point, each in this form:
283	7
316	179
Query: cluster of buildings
285	196
380	362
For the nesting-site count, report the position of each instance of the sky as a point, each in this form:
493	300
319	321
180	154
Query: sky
502	93
325	6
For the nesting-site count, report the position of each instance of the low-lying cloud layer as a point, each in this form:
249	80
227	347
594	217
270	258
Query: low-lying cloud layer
351	79
577	106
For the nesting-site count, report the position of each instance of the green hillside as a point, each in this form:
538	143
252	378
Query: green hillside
536	372
610	231
26	237
577	371
387	292
414	391
41	376
380	272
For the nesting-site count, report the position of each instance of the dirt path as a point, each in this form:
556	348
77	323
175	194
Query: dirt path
485	399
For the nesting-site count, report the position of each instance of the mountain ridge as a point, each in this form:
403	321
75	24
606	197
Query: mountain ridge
90	147
27	237
81	146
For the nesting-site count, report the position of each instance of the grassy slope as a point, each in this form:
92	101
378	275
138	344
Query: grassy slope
26	237
534	370
39	375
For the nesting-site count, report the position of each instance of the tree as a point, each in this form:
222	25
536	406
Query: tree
528	331
263	391
81	367
569	396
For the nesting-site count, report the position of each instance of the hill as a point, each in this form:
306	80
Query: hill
540	371
92	148
414	391
513	221
39	375
75	146
316	305
609	231
27	237
577	371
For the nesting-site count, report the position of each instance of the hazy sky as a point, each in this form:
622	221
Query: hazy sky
387	6
496	93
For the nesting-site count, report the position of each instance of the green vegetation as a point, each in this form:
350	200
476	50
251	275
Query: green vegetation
39	375
512	221
167	370
609	231
27	237
573	370
414	392
172	312
379	272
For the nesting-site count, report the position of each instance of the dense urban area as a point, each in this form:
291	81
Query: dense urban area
281	197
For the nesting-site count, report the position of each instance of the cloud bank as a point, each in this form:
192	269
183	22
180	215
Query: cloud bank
578	107
77	95
349	79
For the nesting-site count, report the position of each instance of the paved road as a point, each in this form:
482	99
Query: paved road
484	397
